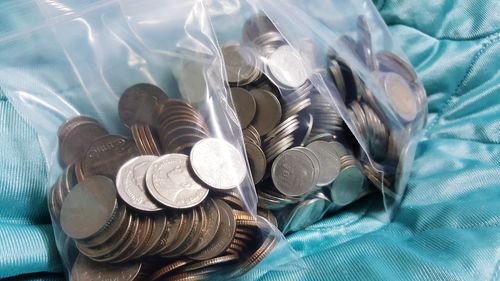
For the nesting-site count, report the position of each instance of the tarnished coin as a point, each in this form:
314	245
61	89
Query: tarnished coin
244	104
218	163
107	154
285	68
169	268
240	63
89	207
268	114
210	226
224	235
85	269
138	102
257	161
260	253
130	184
211	262
75	137
294	173
169	182
328	159
401	97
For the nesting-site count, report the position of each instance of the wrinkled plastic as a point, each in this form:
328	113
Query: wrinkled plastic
318	32
89	52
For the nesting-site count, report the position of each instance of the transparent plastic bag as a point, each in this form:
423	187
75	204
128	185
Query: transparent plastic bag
343	108
144	150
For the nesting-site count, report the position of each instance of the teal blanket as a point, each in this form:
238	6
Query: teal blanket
448	226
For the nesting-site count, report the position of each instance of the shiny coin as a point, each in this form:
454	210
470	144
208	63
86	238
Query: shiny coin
75	137
89	207
257	161
401	97
169	182
294	173
211	262
244	104
223	237
259	254
169	268
130	184
285	68
328	159
218	163
268	113
107	154
138	102
85	269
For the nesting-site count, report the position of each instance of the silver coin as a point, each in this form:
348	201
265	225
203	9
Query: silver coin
293	173
401	97
218	163
285	68
169	182
130	184
328	159
268	113
85	269
348	187
305	214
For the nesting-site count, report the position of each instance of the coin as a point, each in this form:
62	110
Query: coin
257	161
210	227
294	173
285	68
244	104
365	43
390	62
211	262
218	163
85	269
256	26
348	186
328	159
240	63
169	182
138	102
171	233
106	155
223	237
130	184
268	113
262	251
169	268
401	97
91	204
305	214
76	135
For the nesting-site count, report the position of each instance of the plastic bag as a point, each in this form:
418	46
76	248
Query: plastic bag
338	108
143	147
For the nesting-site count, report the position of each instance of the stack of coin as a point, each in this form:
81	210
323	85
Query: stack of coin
180	126
155	208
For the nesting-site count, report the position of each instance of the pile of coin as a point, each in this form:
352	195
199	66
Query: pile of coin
160	206
304	160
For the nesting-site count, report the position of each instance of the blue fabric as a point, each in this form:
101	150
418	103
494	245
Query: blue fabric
448	226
